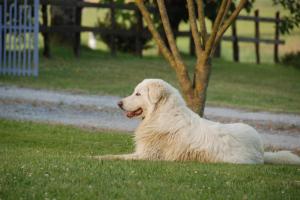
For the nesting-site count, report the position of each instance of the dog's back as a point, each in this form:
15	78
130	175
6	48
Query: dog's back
177	133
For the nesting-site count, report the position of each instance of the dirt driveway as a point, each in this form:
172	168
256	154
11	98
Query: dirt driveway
101	112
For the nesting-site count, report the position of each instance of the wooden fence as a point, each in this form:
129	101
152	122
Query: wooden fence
139	33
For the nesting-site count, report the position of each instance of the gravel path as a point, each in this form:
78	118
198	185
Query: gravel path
101	112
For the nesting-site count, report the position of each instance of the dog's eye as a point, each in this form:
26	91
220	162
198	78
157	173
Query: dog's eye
137	94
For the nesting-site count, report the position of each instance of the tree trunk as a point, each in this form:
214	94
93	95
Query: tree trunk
198	100
63	16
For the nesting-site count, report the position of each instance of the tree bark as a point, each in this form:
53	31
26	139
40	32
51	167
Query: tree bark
201	81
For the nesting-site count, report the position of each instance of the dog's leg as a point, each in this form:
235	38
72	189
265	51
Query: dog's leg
132	156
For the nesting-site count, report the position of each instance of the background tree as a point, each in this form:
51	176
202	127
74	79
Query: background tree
125	21
193	89
64	16
292	19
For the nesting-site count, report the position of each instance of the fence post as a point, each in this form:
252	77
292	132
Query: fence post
46	51
76	47
235	43
139	34
276	44
113	25
218	50
257	36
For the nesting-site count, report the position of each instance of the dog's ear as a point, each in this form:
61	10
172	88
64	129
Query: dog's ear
156	92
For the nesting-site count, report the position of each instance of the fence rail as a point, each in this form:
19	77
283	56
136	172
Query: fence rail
139	33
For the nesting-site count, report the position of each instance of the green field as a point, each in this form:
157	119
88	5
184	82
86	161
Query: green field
259	87
39	161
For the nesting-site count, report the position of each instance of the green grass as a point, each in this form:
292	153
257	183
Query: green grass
260	87
39	161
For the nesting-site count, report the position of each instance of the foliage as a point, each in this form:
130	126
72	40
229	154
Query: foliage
39	161
124	43
293	19
63	16
211	8
292	59
178	12
289	22
126	21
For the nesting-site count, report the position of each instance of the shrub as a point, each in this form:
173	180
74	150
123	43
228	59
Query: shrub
292	59
126	21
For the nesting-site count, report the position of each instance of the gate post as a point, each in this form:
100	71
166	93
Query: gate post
36	38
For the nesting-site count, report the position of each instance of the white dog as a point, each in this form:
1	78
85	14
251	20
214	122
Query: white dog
169	130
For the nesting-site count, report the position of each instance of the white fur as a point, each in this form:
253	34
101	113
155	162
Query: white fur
281	157
171	131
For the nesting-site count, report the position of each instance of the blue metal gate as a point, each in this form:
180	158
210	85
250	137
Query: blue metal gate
19	28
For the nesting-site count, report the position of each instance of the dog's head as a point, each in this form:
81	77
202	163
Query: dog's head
145	98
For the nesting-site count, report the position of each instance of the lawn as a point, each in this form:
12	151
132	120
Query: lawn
39	161
259	87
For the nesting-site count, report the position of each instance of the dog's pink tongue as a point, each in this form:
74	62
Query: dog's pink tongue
130	114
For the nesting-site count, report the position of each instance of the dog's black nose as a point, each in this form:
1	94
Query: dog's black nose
120	104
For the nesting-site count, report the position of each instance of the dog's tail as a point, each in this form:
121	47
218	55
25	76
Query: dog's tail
281	157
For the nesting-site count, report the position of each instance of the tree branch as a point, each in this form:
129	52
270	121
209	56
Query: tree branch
217	41
230	20
202	22
181	71
169	32
226	11
194	28
159	41
174	59
217	23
